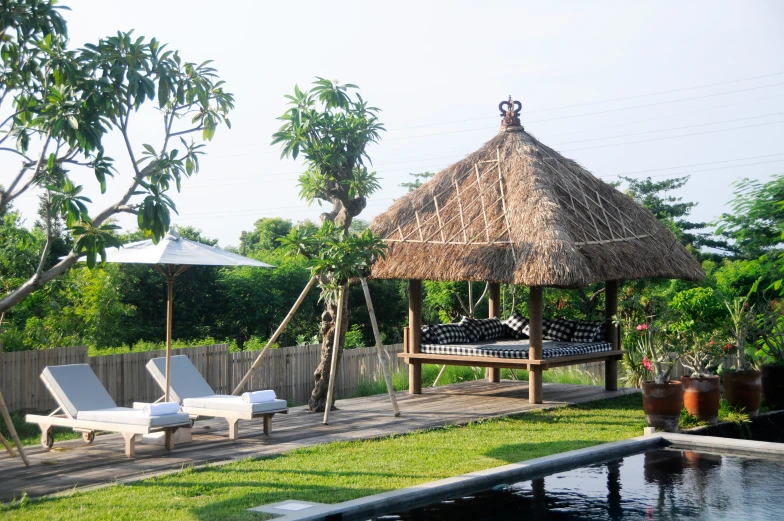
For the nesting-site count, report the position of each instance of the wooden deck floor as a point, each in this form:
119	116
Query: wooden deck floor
73	464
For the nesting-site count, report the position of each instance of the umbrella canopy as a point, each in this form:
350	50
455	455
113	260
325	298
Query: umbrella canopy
176	250
172	256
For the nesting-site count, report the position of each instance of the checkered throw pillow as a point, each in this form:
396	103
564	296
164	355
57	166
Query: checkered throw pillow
515	326
449	334
585	331
600	335
427	335
472	328
491	328
558	329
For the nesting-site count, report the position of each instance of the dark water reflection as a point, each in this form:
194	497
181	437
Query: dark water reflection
656	485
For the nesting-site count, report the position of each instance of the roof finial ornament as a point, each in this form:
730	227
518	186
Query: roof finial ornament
510	111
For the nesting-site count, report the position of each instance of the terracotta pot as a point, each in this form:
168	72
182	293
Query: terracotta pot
662	405
773	385
742	389
701	397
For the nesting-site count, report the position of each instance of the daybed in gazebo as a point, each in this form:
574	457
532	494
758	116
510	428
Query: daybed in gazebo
516	211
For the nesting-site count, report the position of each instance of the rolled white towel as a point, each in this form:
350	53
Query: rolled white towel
161	409
259	396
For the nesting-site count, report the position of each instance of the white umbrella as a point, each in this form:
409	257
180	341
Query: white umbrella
172	256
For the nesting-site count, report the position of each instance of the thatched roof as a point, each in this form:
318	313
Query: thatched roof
516	211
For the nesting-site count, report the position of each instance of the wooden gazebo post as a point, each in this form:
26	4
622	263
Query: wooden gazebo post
494	311
610	310
414	335
535	344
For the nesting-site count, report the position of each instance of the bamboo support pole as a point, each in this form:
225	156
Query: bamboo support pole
610	310
415	335
440	374
275	335
8	447
535	344
12	431
333	365
380	347
494	311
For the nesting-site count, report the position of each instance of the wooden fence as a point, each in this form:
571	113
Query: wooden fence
289	371
19	375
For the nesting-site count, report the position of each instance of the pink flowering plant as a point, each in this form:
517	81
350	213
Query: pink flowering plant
659	357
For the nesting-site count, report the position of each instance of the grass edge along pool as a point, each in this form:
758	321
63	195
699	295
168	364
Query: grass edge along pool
428	493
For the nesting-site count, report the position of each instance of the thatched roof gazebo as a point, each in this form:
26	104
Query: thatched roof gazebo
516	211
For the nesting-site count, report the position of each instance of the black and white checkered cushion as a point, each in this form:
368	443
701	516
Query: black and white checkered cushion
449	334
585	331
472	329
427	335
517	350
600	335
558	329
515	325
492	328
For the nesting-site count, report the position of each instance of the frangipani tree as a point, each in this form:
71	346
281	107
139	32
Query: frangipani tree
331	130
62	104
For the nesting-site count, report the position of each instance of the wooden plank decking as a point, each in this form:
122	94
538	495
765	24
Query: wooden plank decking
73	464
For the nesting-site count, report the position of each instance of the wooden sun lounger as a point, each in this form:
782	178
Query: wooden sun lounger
78	392
189	388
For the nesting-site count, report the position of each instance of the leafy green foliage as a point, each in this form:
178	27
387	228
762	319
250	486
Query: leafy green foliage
756	223
331	129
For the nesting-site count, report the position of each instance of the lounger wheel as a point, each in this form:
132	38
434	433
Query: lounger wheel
88	437
193	422
47	439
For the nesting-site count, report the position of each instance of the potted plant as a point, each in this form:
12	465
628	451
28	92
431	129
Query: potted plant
771	343
662	399
701	389
742	380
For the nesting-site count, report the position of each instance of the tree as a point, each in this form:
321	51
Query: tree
331	129
419	179
672	211
756	224
65	103
265	235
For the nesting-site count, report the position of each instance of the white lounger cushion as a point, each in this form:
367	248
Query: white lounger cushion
77	388
233	403
126	416
185	380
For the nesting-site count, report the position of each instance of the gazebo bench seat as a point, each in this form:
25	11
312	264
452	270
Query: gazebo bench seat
517	349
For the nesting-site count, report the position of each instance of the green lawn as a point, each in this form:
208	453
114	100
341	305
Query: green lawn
347	470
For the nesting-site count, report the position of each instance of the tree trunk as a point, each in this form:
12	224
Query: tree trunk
318	398
342	214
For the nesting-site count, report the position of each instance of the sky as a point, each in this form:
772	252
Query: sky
658	89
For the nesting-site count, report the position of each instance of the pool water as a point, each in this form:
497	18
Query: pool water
661	484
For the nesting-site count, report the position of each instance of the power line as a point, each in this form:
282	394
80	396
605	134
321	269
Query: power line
674	137
699	164
670	129
597	102
590	113
684	174
668	116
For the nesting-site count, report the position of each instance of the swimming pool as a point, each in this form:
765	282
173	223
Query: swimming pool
657	484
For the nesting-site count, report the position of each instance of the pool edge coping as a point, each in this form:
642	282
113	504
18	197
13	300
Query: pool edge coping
425	493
